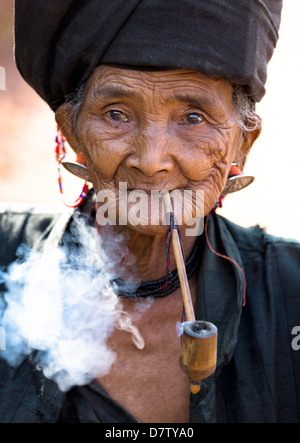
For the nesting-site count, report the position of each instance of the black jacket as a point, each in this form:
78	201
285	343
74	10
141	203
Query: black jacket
258	371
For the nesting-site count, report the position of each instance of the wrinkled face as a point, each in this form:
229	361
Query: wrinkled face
167	130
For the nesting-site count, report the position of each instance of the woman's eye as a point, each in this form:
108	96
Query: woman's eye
193	118
118	116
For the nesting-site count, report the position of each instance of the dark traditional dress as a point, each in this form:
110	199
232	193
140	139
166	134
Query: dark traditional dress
258	371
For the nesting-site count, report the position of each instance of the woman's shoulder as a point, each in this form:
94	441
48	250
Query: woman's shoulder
275	259
24	209
257	238
22	223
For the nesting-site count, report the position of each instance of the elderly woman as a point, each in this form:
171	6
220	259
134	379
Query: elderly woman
160	95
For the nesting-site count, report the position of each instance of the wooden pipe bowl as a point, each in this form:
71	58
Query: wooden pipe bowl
198	355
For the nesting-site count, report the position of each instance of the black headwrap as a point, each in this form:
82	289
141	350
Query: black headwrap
58	43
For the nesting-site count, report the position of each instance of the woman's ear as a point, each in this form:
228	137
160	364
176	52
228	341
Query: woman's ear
63	117
249	136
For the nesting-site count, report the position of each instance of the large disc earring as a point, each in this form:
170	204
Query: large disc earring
77	168
237	180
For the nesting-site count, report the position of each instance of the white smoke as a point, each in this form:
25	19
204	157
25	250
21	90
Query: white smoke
60	304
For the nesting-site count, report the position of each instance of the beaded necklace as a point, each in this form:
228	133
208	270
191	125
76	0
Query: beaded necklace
158	288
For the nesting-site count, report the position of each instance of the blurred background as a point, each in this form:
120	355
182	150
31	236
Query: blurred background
28	171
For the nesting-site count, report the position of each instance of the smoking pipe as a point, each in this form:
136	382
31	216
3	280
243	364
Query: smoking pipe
198	354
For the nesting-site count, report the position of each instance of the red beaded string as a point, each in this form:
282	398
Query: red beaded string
60	153
219	203
226	258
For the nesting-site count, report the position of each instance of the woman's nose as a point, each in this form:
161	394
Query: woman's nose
151	155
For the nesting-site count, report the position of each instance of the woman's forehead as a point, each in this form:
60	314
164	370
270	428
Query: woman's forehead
116	82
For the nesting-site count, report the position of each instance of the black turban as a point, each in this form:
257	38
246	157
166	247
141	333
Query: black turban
58	43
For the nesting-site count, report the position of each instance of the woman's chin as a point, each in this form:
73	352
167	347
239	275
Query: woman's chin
147	229
193	230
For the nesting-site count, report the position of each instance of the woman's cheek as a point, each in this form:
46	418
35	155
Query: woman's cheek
211	192
102	154
204	157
